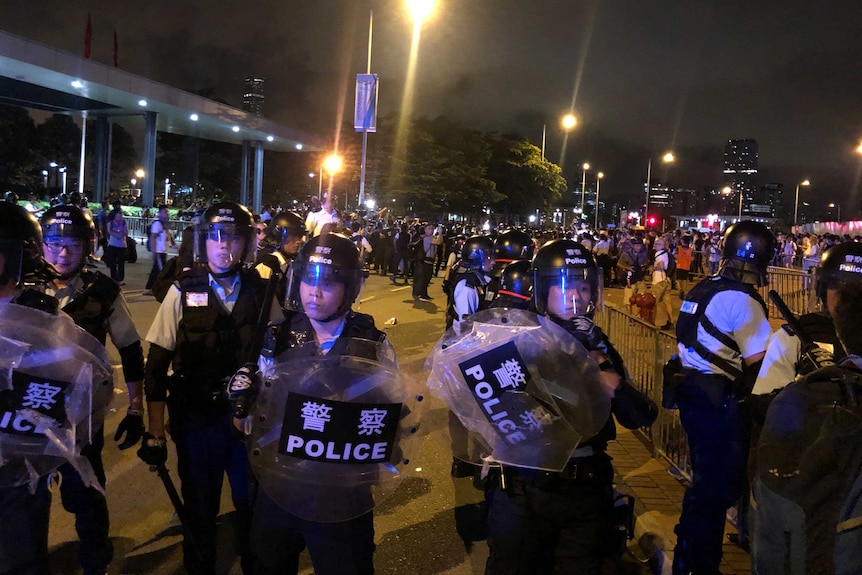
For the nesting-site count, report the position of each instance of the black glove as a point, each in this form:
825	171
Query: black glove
154	450
242	389
587	334
133	427
813	358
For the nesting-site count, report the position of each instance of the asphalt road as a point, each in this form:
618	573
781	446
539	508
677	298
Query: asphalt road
415	529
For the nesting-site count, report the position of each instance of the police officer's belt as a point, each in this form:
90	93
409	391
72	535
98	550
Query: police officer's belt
582	465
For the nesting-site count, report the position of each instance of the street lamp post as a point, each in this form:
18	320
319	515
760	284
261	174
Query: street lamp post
838	206
63	172
365	131
568	122
599	177
796	202
167	190
667	158
739	214
584	185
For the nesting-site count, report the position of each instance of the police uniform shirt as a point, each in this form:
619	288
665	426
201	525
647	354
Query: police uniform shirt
121	328
466	300
264	271
163	331
779	363
738	315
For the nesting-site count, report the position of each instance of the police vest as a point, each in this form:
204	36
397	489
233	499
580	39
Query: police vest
475	281
296	333
91	305
692	315
212	343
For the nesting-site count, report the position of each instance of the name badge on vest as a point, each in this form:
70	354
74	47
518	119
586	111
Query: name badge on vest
197	299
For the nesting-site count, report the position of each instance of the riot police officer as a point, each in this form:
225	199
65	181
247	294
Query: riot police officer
280	244
783	354
24	514
469	292
94	301
324	281
516	286
204	329
722	332
548	522
510	245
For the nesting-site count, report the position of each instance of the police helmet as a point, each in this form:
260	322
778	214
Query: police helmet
283	226
840	264
21	246
511	245
476	251
748	248
325	259
221	220
516	280
69	221
559	263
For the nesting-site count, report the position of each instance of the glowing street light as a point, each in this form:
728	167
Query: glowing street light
586	167
599	177
667	159
420	9
796	202
332	163
568	122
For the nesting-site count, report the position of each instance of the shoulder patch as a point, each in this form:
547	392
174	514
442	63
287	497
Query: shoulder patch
689	307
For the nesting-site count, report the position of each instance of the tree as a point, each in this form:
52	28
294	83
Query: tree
525	180
20	164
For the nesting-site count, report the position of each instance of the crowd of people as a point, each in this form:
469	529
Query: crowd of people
249	295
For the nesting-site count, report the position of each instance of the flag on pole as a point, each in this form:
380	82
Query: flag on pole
115	47
88	37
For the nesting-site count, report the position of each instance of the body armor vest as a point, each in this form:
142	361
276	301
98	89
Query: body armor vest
212	343
296	332
693	315
92	304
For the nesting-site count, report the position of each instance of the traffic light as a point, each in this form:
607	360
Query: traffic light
652	220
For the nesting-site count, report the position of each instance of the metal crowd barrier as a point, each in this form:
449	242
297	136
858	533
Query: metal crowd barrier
138	227
793	285
645	349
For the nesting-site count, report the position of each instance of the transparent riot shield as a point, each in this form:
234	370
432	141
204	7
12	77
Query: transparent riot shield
55	381
525	390
334	435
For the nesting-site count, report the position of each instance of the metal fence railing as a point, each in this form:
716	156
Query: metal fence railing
138	226
645	349
793	285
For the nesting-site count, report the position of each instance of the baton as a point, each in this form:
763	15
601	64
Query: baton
807	344
240	409
179	506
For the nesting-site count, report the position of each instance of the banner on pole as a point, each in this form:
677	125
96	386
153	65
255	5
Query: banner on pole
365	114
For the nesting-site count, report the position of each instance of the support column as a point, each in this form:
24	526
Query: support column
243	177
148	189
101	153
258	176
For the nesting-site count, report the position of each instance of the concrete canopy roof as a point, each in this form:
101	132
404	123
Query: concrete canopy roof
37	76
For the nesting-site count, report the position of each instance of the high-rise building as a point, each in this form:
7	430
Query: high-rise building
740	173
252	98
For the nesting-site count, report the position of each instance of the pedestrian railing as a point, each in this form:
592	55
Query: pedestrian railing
795	288
138	226
645	349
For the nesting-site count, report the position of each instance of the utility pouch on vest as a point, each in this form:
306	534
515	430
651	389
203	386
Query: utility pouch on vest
672	376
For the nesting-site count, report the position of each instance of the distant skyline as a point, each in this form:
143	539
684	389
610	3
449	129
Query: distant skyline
642	76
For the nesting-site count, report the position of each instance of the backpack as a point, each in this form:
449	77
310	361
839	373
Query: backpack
810	456
671	263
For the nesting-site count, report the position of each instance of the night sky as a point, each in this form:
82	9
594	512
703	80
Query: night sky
643	76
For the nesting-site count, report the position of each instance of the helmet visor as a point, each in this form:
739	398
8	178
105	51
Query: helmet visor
320	290
568	293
